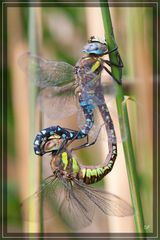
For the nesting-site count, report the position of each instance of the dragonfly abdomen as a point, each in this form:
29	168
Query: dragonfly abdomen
92	175
88	174
88	114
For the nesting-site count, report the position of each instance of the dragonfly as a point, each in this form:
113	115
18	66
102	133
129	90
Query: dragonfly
69	185
69	188
58	79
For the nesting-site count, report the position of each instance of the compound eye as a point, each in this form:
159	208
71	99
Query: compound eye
94	47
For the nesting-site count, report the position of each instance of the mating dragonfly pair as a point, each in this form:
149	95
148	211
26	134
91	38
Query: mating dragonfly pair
68	186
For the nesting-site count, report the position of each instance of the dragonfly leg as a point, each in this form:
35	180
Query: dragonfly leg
81	146
87	144
113	50
109	72
110	63
120	65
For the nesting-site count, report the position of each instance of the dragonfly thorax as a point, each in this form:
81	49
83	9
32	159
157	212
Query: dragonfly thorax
88	71
65	163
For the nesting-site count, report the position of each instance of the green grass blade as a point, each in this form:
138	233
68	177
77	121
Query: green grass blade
123	114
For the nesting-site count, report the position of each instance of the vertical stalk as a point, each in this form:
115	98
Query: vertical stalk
123	114
34	45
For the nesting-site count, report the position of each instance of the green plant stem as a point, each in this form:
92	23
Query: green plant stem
123	114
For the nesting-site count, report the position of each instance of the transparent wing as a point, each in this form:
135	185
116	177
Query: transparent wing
58	103
52	99
76	209
75	203
107	202
46	73
59	197
41	198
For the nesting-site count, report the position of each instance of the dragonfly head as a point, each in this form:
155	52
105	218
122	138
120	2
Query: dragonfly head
95	46
53	145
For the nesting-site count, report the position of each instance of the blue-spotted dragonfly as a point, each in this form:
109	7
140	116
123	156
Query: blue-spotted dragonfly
60	81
